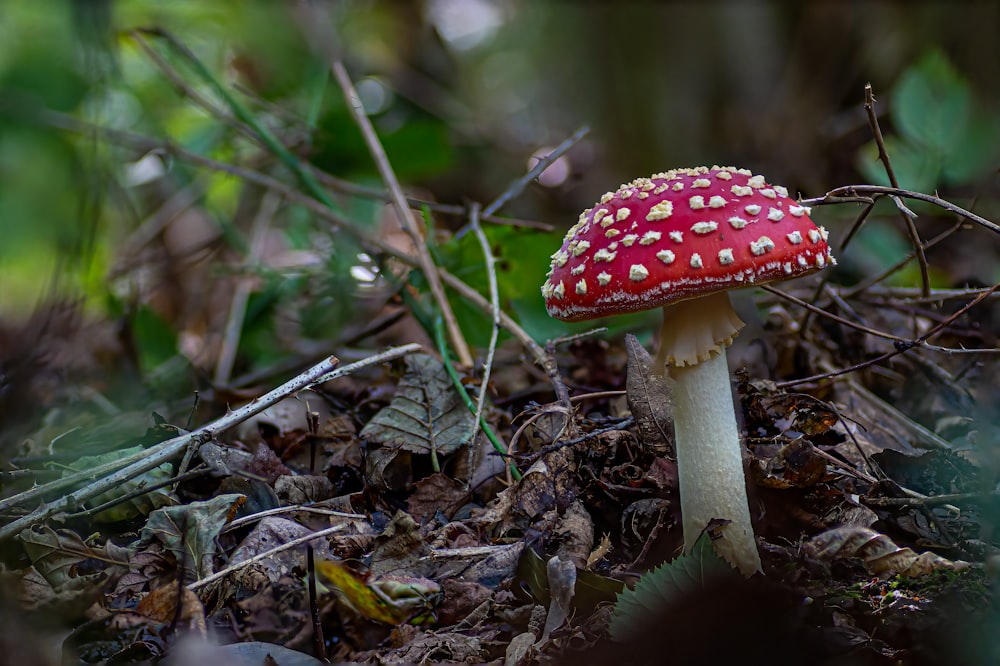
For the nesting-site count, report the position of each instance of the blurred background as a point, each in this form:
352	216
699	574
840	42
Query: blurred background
149	247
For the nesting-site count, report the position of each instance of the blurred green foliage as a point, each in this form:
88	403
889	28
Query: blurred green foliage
944	136
459	106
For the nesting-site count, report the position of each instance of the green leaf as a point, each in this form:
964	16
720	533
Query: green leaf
917	168
190	531
639	607
932	103
426	415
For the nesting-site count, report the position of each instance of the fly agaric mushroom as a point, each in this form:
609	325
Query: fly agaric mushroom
680	240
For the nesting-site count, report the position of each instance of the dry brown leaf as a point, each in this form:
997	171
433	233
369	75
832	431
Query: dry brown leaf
880	554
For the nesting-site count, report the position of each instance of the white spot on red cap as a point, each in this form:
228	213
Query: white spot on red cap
701	182
559	290
666	256
581	287
650	237
815	236
637	272
795	237
696	260
726	256
741	190
662	188
761	245
724	174
676	236
696	202
660	211
629	240
622	214
751	209
769	193
611	233
775	215
677	187
603	278
782	191
716	202
756	182
579	247
579	268
703	228
604	255
798	211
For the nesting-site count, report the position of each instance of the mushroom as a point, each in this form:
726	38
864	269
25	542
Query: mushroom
680	240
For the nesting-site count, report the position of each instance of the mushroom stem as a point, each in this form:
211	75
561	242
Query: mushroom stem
709	455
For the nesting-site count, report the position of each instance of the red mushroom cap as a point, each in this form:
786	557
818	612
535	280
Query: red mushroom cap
679	235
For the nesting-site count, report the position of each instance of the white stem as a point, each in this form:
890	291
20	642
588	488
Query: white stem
709	461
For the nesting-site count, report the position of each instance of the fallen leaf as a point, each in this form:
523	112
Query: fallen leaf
426	415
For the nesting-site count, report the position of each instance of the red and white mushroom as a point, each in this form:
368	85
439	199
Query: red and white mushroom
680	240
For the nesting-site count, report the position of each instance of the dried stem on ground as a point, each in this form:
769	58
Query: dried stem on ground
130	467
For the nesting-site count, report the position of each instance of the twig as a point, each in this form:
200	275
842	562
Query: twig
901	348
151	227
272	143
128	468
908	342
912	296
834	195
241	294
403	211
174	77
515	188
326	179
905	213
931	501
139	492
288	545
260	515
491	273
144	143
865	284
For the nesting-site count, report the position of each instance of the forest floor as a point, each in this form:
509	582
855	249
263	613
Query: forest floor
402	544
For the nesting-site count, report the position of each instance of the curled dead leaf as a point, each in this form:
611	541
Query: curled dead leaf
880	554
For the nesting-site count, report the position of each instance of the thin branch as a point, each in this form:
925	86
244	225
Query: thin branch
836	196
905	213
259	557
241	294
515	188
143	143
143	461
899	265
901	348
908	342
402	210
491	273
